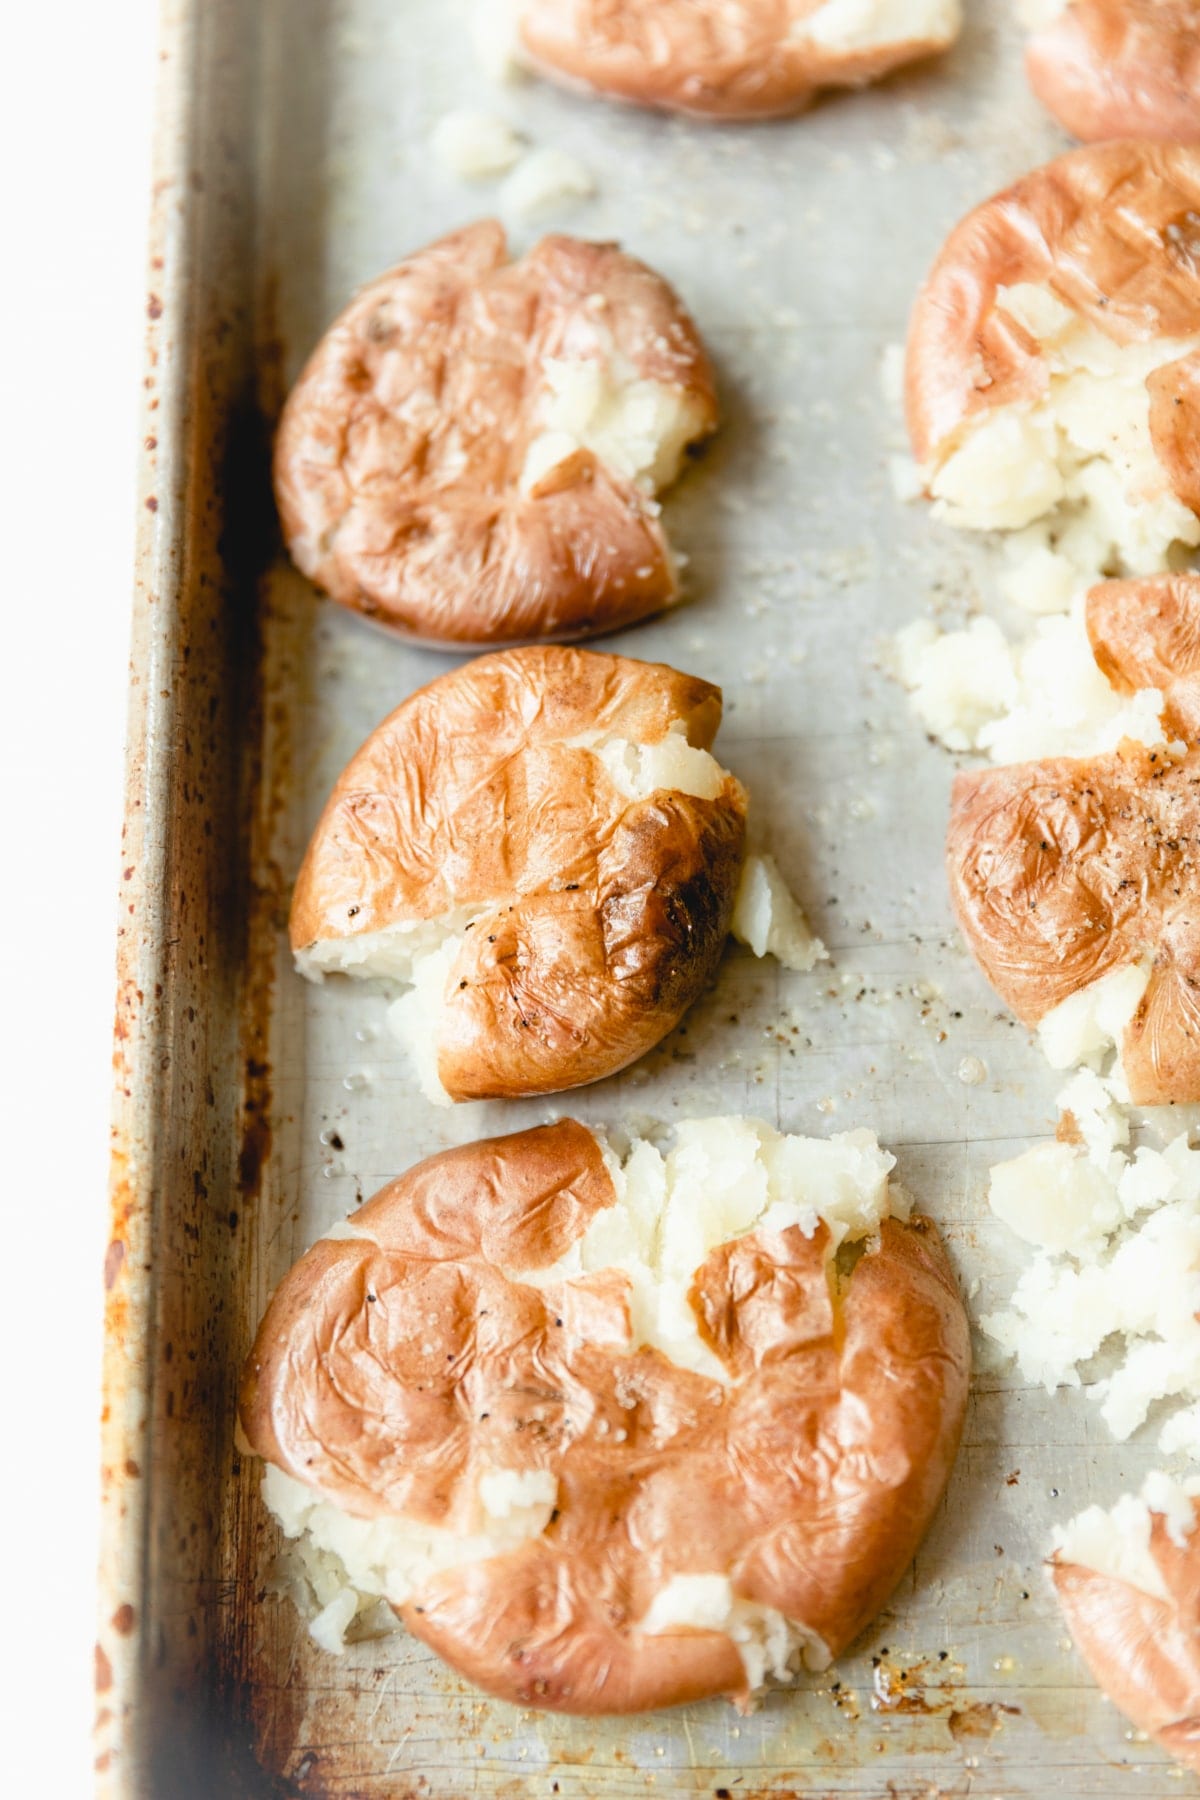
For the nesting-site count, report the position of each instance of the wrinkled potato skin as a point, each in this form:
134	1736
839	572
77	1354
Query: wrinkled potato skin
1144	1652
1113	231
1061	871
811	1479
741	59
1145	633
1121	69
400	449
608	916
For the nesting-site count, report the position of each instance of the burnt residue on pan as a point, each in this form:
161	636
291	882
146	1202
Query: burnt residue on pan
193	1098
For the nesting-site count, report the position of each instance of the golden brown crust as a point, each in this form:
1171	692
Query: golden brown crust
1111	231
1143	1651
390	1373
741	59
400	449
605	917
1062	871
1146	634
1120	69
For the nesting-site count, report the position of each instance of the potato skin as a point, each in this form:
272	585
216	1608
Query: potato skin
1061	871
1144	1652
1121	69
811	1478
1145	633
1111	231
560	989
400	448
741	59
602	919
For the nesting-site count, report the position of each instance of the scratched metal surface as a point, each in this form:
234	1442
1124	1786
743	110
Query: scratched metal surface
301	169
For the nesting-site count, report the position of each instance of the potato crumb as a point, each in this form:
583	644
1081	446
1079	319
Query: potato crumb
1116	1233
544	180
476	145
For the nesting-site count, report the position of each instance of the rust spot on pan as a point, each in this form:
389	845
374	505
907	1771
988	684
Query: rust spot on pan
983	1719
103	1671
113	1258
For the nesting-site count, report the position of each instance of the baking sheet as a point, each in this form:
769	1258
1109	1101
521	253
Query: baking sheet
300	167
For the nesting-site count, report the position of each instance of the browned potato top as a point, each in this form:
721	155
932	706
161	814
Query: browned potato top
400	454
1062	871
393	1365
1121	68
1113	231
720	58
602	918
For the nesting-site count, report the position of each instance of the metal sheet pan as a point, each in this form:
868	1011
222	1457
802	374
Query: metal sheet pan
293	165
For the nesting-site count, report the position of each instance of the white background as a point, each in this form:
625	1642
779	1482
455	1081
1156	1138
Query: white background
75	111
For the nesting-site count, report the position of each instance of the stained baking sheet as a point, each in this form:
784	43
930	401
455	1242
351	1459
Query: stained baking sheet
254	1110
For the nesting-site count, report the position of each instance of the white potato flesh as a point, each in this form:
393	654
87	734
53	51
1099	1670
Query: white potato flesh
547	178
1116	1232
639	770
350	1563
850	25
637	427
1085	1026
476	145
1078	460
974	690
1116	1542
769	1644
722	1178
391	954
959	680
1055	1199
768	919
415	1019
1035	15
